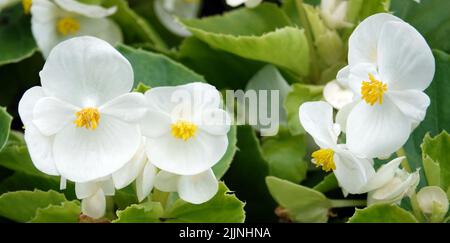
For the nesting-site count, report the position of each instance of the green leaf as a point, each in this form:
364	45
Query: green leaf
5	124
21	206
224	207
438	114
156	70
16	40
125	197
432	171
327	184
249	33
67	212
148	212
430	17
359	9
285	155
303	204
300	94
436	149
224	164
382	213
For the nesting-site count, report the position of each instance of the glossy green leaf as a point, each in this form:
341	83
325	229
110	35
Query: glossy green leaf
300	94
148	212
328	183
302	203
224	207
436	148
67	212
5	124
382	213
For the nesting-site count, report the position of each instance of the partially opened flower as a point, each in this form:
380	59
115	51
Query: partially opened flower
351	172
433	203
168	10
337	95
334	13
53	22
248	3
390	65
194	189
185	127
390	184
82	123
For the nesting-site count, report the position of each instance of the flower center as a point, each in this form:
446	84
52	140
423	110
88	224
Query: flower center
184	130
324	158
68	26
372	91
26	4
87	118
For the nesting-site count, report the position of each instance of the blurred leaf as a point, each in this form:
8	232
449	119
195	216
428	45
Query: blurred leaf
358	10
148	212
16	40
302	203
328	183
224	164
438	114
156	70
249	33
67	212
224	207
382	213
430	17
285	155
21	206
436	148
5	125
300	94
125	197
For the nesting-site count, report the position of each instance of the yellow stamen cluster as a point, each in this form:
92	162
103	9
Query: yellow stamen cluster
324	158
68	26
372	91
26	4
87	118
184	130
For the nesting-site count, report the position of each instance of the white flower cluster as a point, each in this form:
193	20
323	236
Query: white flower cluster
390	65
85	125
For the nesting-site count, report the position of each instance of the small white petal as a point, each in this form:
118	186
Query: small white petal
27	103
88	10
167	11
105	29
235	3
107	186
384	174
50	115
129	107
412	103
125	175
360	73
342	115
401	185
351	172
44	16
252	3
145	181
40	149
337	95
94	206
432	199
215	122
199	188
86	189
155	124
62	183
317	119
343	76
166	181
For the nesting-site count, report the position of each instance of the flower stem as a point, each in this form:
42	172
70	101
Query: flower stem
348	203
405	163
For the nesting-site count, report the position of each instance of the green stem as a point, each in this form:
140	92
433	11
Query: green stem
314	69
348	203
405	164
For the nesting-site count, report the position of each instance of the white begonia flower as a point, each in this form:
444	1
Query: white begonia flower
185	127
195	189
92	195
337	95
390	184
433	202
168	10
248	3
53	22
334	13
390	65
82	123
351	172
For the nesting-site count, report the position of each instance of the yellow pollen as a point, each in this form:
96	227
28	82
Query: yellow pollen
68	26
372	91
26	4
87	118
184	130
324	158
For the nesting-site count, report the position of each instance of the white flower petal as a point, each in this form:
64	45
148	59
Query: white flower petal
62	183
351	172
384	174
27	103
94	206
167	11
431	199
342	115
199	188
108	187
215	122
40	149
343	76
360	73
363	42
88	10
87	72
125	175
44	16
378	130
155	124
405	59
105	29
145	181
317	119
166	181
83	155
412	103
235	3
336	95
190	157
129	107
252	3
86	189
393	192
50	115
